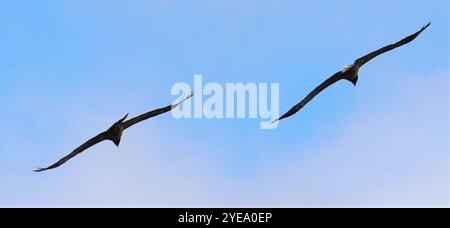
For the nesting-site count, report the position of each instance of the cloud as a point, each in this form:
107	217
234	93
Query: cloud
393	151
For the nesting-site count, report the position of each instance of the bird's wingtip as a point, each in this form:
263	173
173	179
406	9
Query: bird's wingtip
190	95
275	121
426	26
37	170
184	99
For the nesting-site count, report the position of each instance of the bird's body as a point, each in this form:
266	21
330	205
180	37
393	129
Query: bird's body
114	133
349	72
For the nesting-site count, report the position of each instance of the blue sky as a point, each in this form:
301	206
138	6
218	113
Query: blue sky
69	69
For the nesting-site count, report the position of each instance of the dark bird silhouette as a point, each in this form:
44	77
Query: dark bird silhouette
114	133
349	73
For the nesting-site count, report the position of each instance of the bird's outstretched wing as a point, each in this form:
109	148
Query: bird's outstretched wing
361	61
100	137
153	113
331	80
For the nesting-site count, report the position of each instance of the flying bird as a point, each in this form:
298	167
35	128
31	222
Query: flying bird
114	133
350	72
